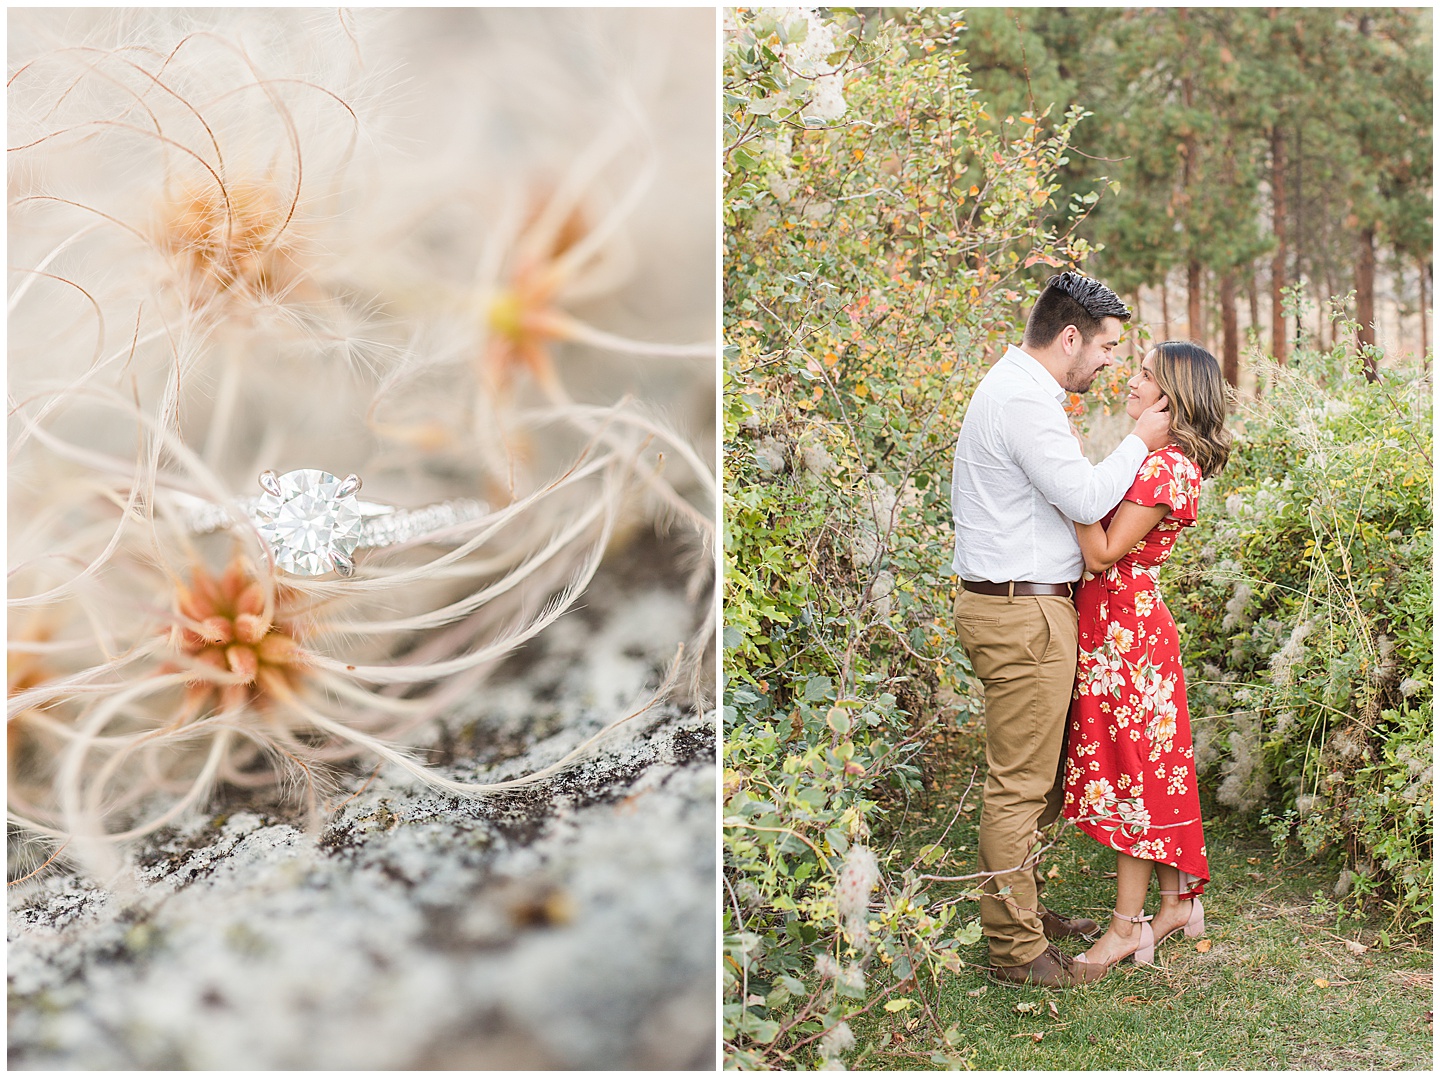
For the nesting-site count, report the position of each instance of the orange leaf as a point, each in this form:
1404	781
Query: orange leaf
1321	982
1203	946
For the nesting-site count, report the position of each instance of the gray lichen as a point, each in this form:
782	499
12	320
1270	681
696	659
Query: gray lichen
566	926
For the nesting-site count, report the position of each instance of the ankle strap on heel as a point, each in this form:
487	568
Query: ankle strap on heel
1133	920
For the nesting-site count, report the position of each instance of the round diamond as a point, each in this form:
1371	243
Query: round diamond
309	522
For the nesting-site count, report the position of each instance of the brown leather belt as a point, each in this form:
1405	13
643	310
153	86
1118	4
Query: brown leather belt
1016	587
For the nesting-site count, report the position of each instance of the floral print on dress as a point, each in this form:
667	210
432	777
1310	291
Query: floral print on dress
1129	720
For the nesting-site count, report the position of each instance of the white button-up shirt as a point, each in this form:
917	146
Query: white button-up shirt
1020	479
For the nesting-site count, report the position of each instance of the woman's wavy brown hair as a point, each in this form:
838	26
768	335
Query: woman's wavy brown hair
1190	378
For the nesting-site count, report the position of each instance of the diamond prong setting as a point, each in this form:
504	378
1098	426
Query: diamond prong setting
310	520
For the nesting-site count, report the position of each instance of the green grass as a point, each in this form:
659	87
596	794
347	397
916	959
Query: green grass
1282	984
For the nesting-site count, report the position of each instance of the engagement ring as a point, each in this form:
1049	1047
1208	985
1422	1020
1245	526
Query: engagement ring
313	523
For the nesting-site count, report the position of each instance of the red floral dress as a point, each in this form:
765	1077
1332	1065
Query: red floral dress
1130	761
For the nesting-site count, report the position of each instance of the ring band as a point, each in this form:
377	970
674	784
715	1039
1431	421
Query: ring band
313	523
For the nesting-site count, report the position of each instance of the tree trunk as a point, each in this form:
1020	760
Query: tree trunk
1192	285
1165	305
1252	290
1332	287
1277	263
1135	337
1365	296
1230	364
1299	229
1424	314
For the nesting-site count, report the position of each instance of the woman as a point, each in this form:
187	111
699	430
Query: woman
1130	767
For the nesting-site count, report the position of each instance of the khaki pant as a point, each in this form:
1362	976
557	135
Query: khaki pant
1023	649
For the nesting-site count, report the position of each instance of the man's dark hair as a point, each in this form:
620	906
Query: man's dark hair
1072	299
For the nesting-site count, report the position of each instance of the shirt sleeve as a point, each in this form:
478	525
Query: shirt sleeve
1168	477
1038	438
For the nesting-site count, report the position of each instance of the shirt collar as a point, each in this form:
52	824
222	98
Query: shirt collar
1032	366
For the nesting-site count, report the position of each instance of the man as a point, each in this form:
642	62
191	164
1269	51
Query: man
1019	482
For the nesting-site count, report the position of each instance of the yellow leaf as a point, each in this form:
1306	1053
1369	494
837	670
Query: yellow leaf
898	1004
1203	946
1321	982
974	191
1054	873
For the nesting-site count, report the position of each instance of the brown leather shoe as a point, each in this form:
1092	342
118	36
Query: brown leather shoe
1050	968
1059	927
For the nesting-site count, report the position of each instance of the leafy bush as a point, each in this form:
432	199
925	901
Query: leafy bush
1304	598
880	234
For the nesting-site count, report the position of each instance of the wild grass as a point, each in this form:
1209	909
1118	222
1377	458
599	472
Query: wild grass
1278	982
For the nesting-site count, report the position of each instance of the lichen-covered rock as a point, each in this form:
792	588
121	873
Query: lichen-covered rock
567	925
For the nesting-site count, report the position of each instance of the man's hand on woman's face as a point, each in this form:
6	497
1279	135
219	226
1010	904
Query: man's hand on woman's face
1153	426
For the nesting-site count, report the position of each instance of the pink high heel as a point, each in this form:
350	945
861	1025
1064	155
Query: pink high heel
1143	953
1194	926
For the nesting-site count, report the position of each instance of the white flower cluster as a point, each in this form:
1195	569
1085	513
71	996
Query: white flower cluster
815	459
836	1041
858	877
1236	607
770	456
808	55
881	593
1245	780
1284	661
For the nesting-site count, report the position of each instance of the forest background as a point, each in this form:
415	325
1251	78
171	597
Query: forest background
899	185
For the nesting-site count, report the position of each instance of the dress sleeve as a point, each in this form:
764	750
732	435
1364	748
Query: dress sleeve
1168	477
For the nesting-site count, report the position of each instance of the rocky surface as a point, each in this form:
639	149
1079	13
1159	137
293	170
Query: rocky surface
571	925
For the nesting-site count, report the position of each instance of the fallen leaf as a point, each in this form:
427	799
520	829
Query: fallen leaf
1355	947
1203	946
976	992
1252	860
1054	873
1026	1007
1054	1010
912	1024
1321	982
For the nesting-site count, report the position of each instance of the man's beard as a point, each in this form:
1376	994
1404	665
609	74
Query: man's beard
1076	379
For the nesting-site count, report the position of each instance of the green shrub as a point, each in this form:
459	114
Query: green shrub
874	258
1304	598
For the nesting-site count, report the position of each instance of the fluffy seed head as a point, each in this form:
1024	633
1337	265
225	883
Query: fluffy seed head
234	239
222	625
